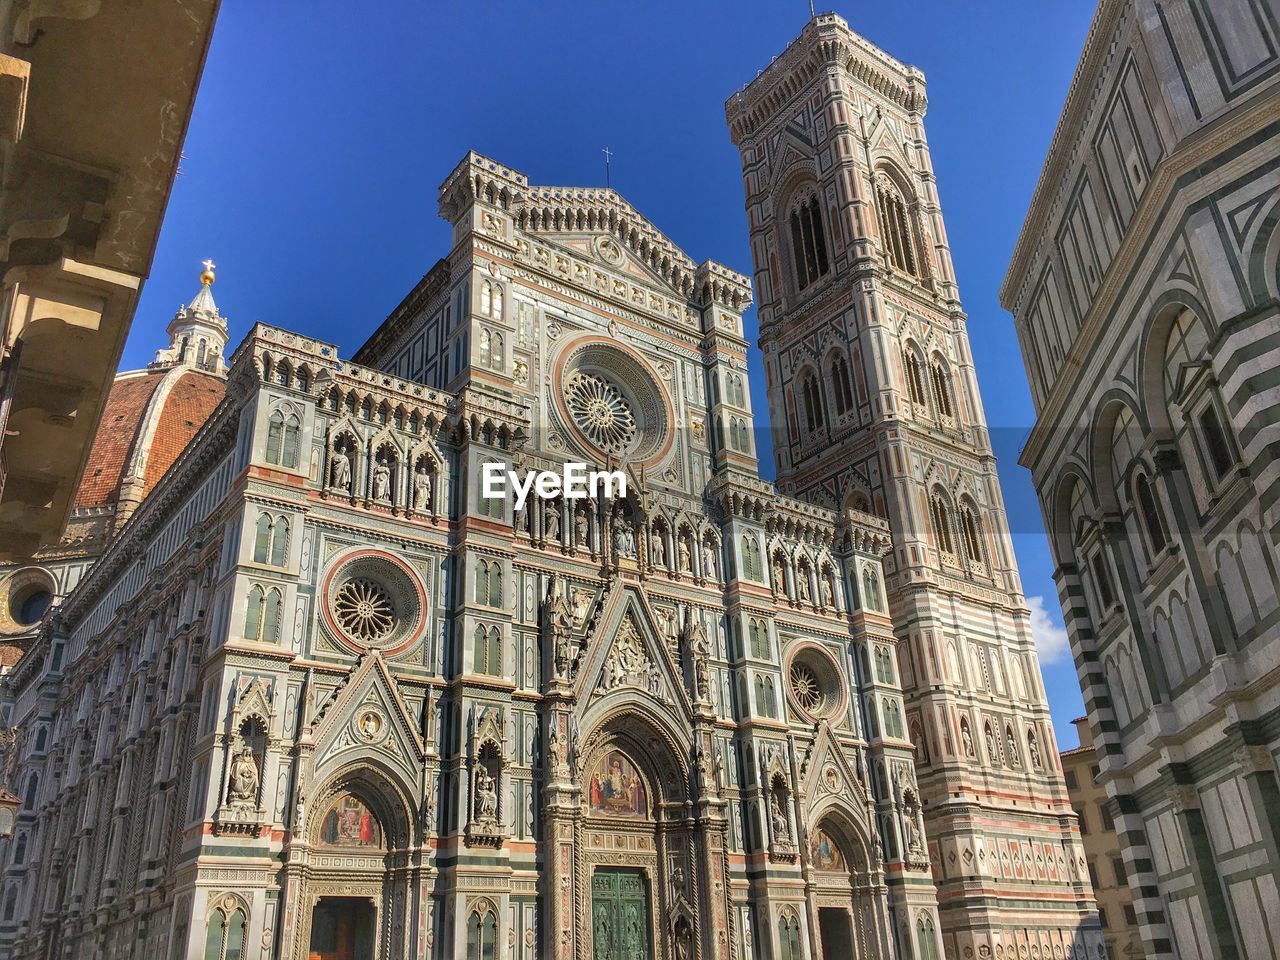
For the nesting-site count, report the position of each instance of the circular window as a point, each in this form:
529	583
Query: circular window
612	401
815	683
27	596
374	599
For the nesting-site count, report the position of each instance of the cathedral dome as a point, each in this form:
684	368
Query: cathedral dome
149	418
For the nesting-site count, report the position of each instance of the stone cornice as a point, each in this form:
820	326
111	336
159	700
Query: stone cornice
825	42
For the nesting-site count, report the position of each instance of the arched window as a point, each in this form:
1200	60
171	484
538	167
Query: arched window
759	639
482	935
486	298
871	597
496	352
812	393
486	347
840	384
808	242
1150	514
489	582
895	225
751	569
940	379
941	524
789	944
262	615
282	439
914	377
925	934
970	525
487	653
262	539
279	541
225	940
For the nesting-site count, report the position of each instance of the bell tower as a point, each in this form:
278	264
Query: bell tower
875	407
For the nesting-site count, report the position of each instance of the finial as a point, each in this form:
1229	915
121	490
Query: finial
207	277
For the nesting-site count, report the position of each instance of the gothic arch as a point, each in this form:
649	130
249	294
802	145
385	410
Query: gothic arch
657	747
382	788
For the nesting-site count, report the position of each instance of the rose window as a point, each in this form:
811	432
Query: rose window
600	411
364	609
816	683
805	688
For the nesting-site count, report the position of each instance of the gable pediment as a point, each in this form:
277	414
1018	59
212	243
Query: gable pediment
367	714
629	655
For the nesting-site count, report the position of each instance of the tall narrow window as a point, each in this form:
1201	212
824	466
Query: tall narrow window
914	377
282	439
941	524
279	541
969	527
253	614
1215	441
808	242
1102	581
895	225
813	417
941	389
840	383
1151	521
262	539
482	935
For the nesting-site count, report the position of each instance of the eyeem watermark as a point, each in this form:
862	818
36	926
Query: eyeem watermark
574	482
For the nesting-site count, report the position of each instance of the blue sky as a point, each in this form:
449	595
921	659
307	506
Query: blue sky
322	131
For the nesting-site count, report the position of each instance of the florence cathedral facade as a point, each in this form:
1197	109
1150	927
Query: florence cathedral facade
319	698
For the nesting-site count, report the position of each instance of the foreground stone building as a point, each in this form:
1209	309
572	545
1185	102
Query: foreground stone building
321	698
1144	289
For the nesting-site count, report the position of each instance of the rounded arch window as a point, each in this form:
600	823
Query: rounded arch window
815	684
896	236
27	595
373	600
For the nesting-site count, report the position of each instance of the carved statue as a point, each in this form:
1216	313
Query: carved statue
1014	757
581	529
559	626
781	829
422	489
686	560
828	592
659	550
552	522
553	748
709	568
243	788
1033	749
382	480
779	580
695	641
486	797
340	469
967	738
802	585
993	748
624	540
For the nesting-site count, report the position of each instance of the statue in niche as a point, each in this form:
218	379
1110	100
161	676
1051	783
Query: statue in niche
695	641
1014	758
624	538
781	829
486	798
993	748
382	481
340	469
560	623
966	738
802	584
1033	750
552	523
422	489
779	579
709	568
242	791
659	549
581	528
686	559
828	592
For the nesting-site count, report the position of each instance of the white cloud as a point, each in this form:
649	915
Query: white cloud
1051	640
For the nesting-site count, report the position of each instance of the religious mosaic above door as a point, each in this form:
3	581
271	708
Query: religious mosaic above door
826	855
617	789
348	823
